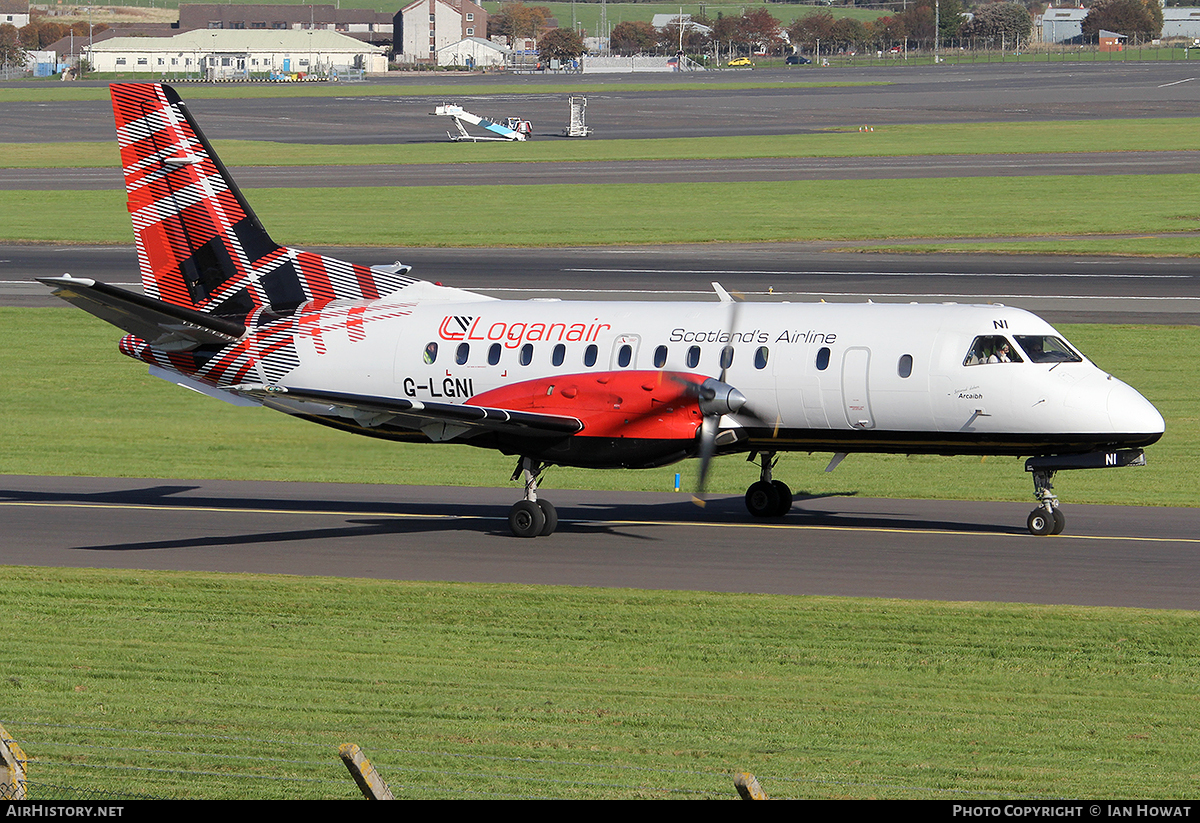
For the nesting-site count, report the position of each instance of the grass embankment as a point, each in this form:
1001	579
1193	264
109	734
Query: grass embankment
1179	134
845	211
228	686
74	406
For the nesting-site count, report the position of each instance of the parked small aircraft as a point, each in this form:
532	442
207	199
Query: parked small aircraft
370	350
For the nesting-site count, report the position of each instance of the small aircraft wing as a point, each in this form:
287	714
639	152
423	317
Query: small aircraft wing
440	421
162	325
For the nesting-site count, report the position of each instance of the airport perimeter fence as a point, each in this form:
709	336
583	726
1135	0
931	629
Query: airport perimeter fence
107	763
972	51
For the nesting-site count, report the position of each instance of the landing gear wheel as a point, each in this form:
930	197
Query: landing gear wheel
762	499
785	498
1041	523
526	519
551	515
1060	522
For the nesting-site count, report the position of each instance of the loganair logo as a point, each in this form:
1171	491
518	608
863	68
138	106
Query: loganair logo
512	335
454	328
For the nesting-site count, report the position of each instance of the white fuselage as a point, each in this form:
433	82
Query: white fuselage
883	377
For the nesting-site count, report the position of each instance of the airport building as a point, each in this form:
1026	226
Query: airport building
424	27
221	54
1066	25
14	12
472	52
362	24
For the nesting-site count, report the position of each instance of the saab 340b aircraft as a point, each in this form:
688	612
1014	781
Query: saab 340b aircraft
228	312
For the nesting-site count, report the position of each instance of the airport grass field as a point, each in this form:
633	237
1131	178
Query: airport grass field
210	686
242	686
937	212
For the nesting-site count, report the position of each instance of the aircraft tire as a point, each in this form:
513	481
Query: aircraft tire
551	515
1040	523
526	519
762	499
785	498
1060	522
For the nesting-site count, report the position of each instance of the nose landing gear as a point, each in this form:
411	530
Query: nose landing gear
1046	518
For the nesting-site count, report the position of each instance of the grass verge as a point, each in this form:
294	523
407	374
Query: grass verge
1175	134
617	214
74	406
214	686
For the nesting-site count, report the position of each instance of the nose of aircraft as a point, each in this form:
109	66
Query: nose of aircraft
1131	413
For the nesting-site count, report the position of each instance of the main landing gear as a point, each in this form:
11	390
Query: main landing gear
531	517
767	497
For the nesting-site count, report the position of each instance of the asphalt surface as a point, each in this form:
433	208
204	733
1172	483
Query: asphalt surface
1066	289
947	94
844	546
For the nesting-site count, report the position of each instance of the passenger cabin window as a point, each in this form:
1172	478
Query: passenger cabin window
905	367
526	354
494	354
693	357
624	355
823	358
559	354
760	357
727	357
1044	349
464	351
991	348
660	357
431	354
589	355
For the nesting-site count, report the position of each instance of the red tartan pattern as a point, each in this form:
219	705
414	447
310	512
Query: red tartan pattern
189	220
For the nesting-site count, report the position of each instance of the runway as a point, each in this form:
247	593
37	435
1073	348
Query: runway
703	104
838	546
1062	289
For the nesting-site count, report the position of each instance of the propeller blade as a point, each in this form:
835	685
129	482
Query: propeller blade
708	439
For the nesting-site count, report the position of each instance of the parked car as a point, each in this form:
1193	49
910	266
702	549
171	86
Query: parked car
739	61
797	60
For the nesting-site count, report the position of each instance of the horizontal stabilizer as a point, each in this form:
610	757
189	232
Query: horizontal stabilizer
162	325
371	411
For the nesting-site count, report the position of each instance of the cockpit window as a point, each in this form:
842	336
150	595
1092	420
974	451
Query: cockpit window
991	348
1045	349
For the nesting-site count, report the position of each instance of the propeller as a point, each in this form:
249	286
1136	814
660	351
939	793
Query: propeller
717	398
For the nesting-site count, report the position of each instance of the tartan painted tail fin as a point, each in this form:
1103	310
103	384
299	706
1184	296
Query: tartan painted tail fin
199	244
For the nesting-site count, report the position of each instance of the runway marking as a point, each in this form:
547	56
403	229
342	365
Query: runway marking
707	272
698	524
1177	82
973	298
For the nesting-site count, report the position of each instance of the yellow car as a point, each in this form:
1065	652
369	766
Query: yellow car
739	61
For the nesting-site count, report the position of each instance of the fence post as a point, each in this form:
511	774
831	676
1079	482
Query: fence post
12	780
748	788
364	774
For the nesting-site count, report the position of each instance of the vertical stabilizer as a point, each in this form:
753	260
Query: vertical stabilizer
199	243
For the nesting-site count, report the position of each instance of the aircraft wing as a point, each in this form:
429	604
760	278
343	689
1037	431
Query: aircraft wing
162	325
440	421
